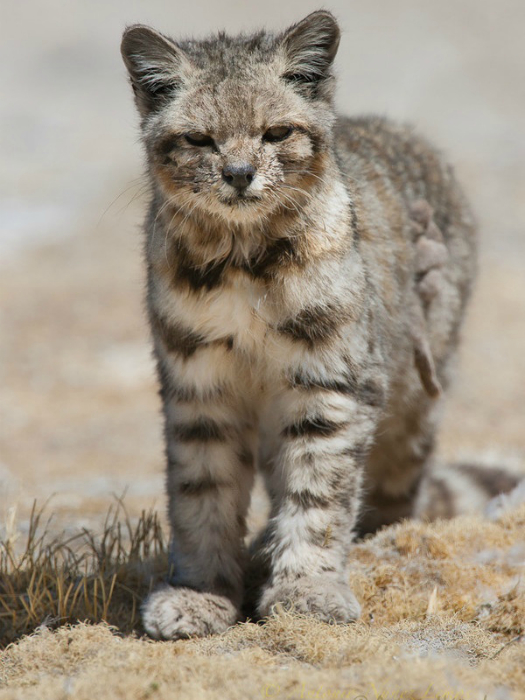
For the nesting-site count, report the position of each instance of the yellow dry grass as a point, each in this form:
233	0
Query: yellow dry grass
54	580
443	615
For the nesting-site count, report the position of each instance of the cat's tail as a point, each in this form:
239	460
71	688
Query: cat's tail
467	488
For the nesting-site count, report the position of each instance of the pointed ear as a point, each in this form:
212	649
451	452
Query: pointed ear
156	66
310	48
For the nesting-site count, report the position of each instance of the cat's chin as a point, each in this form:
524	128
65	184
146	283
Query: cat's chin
242	210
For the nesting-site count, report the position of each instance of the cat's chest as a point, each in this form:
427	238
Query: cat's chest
241	311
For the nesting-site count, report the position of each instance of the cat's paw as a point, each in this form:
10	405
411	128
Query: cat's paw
178	613
324	597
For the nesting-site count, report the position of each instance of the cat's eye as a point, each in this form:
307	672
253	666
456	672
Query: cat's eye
277	133
197	139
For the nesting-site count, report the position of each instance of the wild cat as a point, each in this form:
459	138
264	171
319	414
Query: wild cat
307	280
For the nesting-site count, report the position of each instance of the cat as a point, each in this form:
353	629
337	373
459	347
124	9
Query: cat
307	280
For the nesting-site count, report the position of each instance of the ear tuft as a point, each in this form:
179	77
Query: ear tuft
310	47
156	66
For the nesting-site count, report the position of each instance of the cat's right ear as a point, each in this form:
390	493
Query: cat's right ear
156	66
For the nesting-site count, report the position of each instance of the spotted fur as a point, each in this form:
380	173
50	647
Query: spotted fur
304	323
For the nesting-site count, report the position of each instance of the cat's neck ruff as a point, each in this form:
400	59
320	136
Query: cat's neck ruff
212	238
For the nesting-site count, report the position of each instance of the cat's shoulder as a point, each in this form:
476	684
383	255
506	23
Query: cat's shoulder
383	139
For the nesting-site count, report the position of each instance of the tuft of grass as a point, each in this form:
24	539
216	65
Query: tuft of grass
50	581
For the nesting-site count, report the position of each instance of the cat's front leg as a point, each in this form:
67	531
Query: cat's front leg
210	473
325	423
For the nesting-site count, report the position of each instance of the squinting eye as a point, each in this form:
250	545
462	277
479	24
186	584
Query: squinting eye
196	139
277	133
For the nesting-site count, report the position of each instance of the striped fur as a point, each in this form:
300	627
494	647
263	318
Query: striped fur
303	325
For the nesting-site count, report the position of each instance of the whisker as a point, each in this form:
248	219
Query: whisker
129	187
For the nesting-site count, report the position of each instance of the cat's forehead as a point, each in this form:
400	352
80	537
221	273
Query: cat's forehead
236	104
237	85
224	56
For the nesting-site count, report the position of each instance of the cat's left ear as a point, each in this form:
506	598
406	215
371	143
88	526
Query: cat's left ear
310	48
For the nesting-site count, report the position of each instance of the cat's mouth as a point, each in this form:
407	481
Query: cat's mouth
240	200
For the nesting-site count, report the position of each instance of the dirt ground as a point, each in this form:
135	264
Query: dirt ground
78	404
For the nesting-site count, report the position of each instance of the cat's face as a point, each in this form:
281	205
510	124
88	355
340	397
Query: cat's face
236	128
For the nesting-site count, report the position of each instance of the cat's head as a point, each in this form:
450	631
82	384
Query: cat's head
236	127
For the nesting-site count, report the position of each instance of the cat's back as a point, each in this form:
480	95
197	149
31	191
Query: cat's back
417	234
378	155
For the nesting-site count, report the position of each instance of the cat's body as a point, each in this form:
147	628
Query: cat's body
306	283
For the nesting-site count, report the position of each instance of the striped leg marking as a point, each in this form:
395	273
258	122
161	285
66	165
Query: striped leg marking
316	484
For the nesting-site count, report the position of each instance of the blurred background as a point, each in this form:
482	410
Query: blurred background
79	412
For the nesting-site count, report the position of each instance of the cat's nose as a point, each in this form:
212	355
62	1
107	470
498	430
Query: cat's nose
239	176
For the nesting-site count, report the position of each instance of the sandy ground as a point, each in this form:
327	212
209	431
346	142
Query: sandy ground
78	404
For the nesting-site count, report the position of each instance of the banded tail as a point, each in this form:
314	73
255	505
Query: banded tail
468	488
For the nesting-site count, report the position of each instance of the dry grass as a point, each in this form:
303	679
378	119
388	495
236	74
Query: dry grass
443	614
54	580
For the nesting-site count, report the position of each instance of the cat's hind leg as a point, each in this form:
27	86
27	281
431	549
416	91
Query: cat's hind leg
404	480
400	457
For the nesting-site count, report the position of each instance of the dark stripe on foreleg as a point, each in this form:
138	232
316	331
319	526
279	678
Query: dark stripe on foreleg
366	391
201	430
318	426
176	337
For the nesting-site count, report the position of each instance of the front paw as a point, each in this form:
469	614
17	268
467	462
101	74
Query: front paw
178	613
325	597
